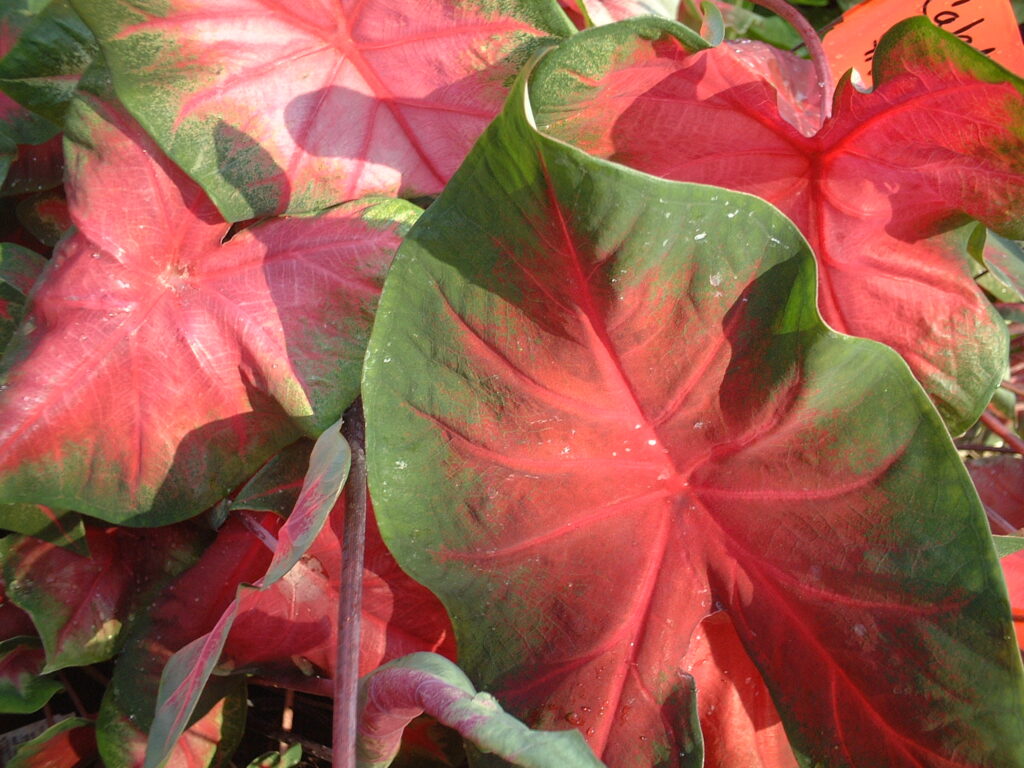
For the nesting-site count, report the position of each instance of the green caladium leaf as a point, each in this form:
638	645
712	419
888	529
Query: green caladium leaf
18	126
1007	545
277	484
59	527
43	67
19	269
23	688
601	406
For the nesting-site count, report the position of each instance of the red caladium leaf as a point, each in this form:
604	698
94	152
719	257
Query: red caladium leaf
71	743
187	609
13	620
879	192
37	167
312	103
80	602
294	620
209	741
1000	484
740	724
176	361
45	216
597	411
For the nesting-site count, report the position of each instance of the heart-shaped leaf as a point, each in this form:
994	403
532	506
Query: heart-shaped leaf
79	602
173	359
209	741
297	616
186	609
601	405
880	192
307	104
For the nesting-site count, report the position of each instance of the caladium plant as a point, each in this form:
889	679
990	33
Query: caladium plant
882	191
620	383
653	490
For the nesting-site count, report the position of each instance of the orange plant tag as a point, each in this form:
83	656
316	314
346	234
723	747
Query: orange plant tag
987	25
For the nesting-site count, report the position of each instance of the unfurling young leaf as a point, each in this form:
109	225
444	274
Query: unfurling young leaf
393	695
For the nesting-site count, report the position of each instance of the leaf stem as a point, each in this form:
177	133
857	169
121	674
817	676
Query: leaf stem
994	423
814	48
346	670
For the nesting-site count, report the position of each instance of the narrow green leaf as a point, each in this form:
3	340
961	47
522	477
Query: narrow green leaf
187	671
1007	545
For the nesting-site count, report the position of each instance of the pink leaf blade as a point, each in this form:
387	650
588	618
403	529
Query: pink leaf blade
879	192
265	85
177	362
793	481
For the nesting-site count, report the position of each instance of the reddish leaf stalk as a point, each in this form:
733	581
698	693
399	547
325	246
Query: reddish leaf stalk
810	37
993	422
346	674
72	694
998	521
